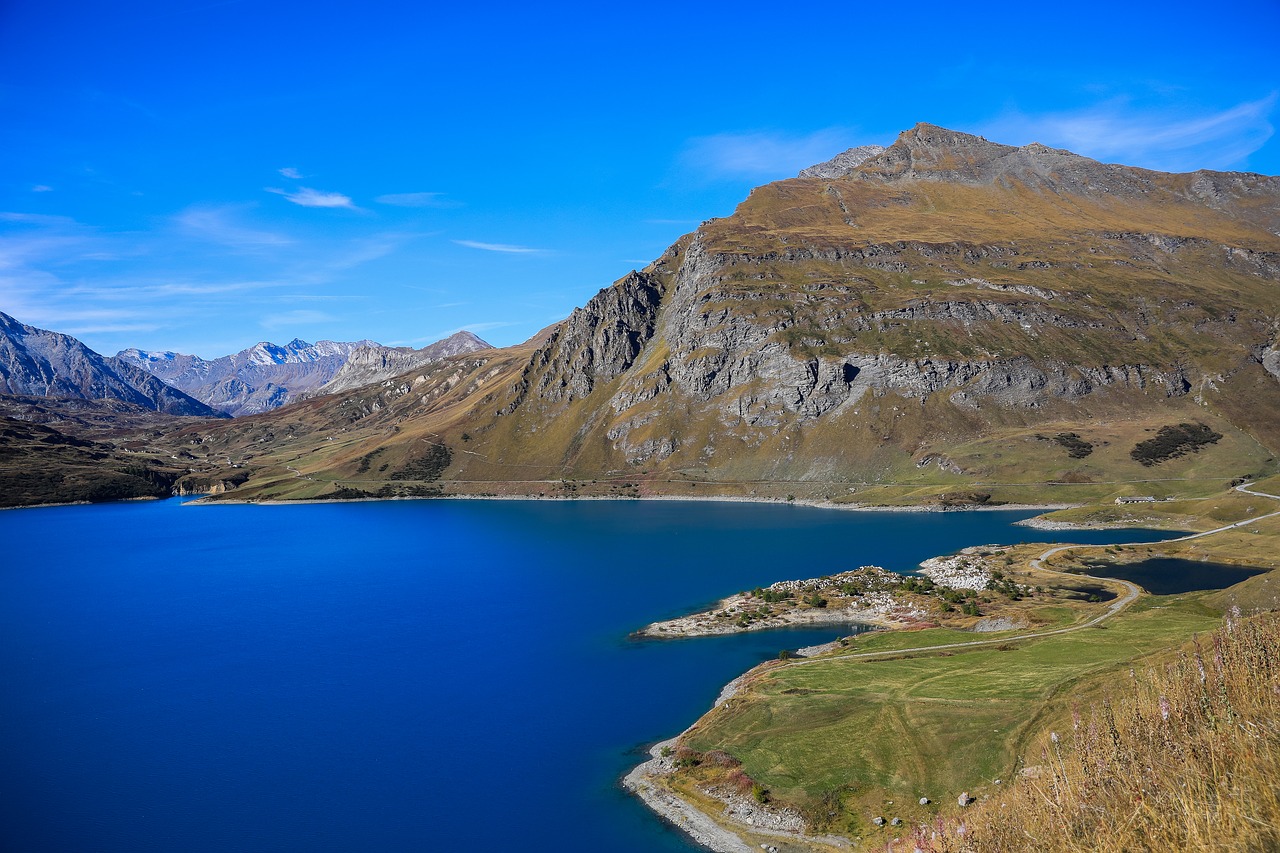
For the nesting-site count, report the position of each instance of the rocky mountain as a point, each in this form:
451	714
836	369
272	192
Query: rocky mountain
925	322
262	377
843	163
369	364
40	363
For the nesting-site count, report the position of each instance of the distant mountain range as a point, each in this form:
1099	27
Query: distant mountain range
40	363
266	376
262	377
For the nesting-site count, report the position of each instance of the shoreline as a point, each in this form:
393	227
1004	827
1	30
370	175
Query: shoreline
705	830
671	807
812	503
84	503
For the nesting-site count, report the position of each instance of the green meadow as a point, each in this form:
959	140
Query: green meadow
848	738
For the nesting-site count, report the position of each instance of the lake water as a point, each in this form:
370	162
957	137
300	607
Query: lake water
394	676
1173	575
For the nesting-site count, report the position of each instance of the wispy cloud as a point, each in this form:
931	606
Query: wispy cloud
290	172
221	225
42	188
761	155
35	218
300	317
192	275
499	247
1168	139
417	200
107	328
308	197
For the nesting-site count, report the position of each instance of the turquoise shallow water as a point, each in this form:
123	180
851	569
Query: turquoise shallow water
384	676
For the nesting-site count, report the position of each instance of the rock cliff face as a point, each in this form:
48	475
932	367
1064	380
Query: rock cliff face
369	364
39	363
595	344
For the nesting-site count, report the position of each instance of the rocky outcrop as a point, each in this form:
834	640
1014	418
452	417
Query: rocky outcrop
843	163
371	364
40	363
596	344
1269	358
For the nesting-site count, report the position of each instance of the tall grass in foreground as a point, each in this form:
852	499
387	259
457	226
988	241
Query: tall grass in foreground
1184	756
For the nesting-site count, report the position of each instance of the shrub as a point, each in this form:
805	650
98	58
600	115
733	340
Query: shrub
1173	441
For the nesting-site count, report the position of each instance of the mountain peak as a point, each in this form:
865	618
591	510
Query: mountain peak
932	152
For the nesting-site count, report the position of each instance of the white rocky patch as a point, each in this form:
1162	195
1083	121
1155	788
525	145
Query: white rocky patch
960	571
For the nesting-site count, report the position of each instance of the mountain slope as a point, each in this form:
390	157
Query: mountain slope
922	316
369	364
40	363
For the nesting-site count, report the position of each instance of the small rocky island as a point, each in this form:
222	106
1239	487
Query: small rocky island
972	589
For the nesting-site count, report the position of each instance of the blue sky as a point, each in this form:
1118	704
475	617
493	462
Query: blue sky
202	175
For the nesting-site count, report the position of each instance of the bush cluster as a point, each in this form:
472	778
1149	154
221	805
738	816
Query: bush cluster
1173	441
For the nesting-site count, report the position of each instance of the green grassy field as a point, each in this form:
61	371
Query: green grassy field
867	732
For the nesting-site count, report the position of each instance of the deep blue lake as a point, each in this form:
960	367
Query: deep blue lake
393	676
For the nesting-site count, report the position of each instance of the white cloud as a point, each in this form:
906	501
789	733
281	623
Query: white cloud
416	200
1169	139
498	247
761	155
290	172
307	197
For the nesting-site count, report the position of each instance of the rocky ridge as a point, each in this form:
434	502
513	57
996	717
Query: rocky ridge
372	363
39	363
843	163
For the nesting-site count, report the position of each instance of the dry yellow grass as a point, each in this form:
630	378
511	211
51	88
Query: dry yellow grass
1183	756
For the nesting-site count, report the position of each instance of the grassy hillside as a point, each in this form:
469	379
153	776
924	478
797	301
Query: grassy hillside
1183	756
871	737
854	735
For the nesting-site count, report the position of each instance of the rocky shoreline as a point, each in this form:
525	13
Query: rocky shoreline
644	780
